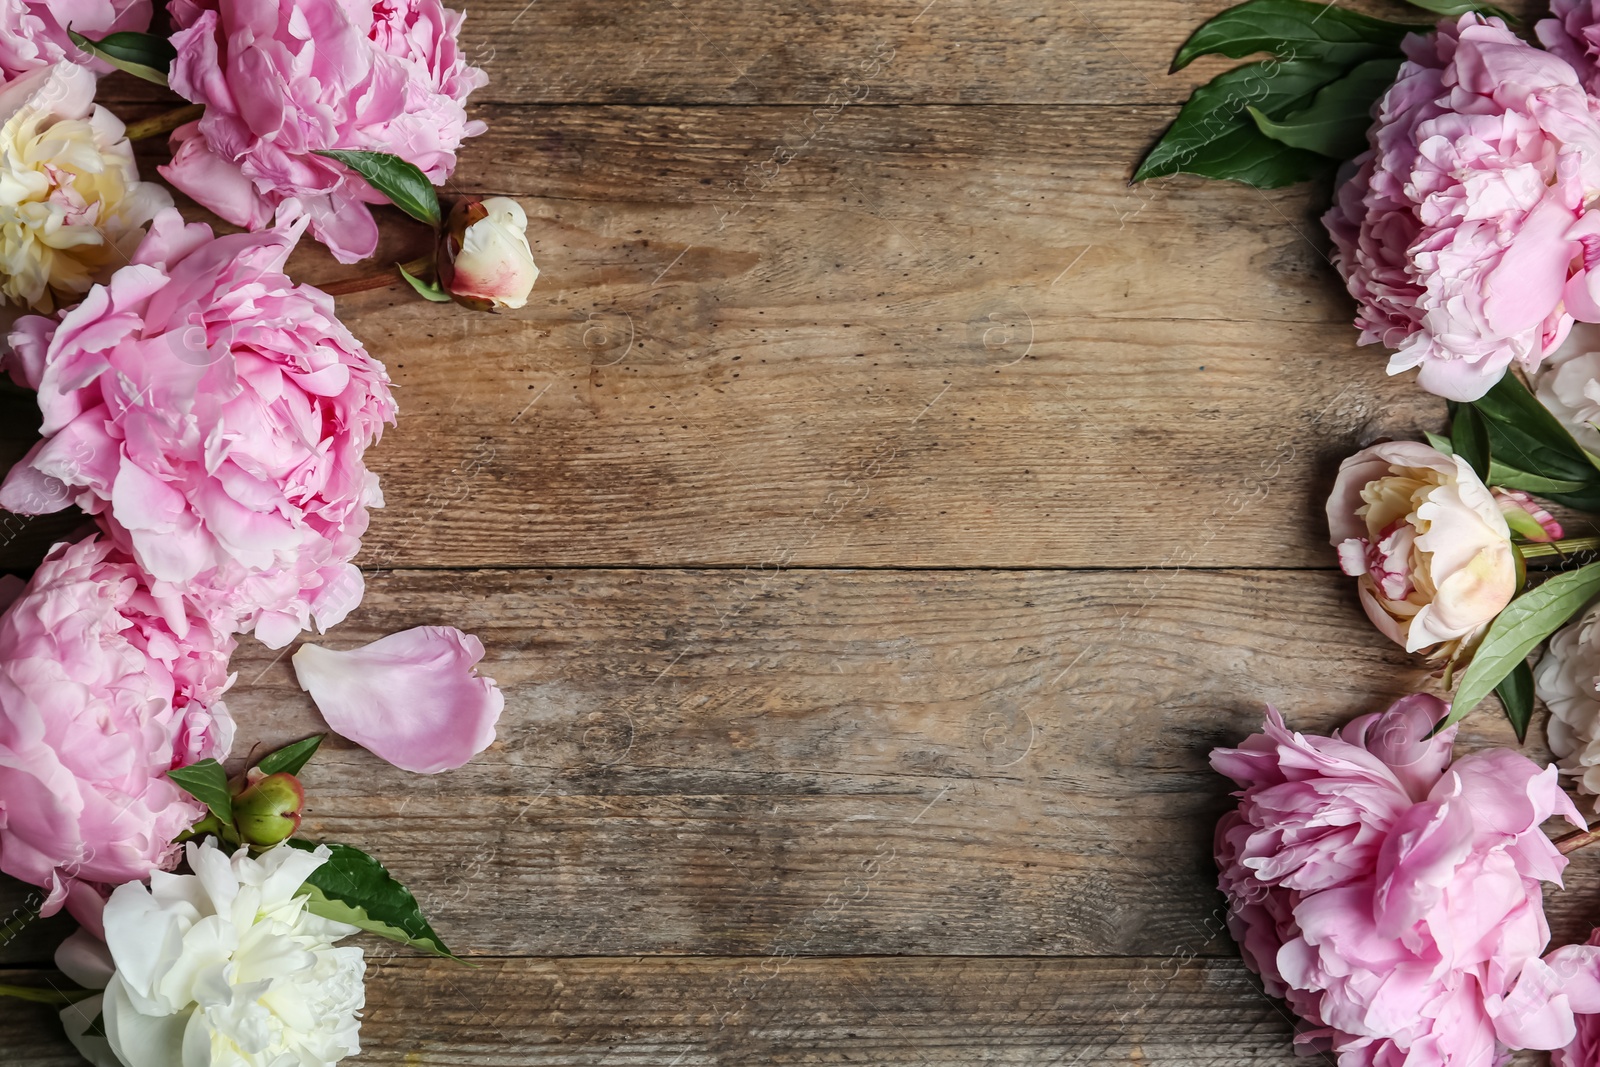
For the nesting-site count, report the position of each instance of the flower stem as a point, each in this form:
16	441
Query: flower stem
1573	842
165	122
46	996
381	280
1559	548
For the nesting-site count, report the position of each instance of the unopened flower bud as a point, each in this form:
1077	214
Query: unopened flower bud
484	259
269	810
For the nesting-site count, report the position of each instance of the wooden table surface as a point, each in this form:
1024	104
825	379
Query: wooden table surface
874	519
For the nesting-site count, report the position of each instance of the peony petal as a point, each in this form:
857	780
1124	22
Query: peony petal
412	698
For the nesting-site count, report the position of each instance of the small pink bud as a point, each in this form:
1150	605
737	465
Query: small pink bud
268	811
484	259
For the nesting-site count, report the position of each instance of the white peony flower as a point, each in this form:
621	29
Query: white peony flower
226	968
1567	679
485	261
72	206
1569	386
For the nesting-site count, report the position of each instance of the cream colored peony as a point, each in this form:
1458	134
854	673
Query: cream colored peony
226	968
1567	679
485	261
1428	542
72	207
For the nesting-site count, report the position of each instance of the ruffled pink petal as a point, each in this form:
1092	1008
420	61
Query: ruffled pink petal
413	698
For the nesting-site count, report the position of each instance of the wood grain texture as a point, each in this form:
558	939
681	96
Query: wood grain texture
743	52
711	1012
939	337
974	763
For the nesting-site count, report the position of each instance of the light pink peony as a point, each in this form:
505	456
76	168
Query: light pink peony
1573	33
1393	898
1584	1049
1459	231
1428	542
281	80
214	416
33	33
104	687
414	698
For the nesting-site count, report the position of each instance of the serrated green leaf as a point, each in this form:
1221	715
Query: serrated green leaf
207	782
1517	630
403	183
353	887
290	759
427	290
1335	124
144	55
1296	29
1469	437
1215	137
1516	697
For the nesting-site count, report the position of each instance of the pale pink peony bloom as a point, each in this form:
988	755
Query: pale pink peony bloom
33	33
414	698
283	80
105	685
1393	898
1464	233
1573	33
1428	541
1584	1049
1567	679
214	416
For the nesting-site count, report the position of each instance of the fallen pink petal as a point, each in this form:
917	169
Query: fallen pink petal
414	698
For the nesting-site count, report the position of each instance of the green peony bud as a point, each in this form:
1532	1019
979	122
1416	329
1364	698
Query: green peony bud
269	810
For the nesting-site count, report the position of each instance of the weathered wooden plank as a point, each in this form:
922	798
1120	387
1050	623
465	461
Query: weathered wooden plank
1174	1009
843	763
988	360
895	51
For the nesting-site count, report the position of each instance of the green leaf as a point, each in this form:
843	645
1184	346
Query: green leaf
1296	29
1459	7
1524	525
207	782
290	758
1215	137
1516	696
1336	123
403	183
1469	436
1440	444
1524	436
427	290
353	887
1525	622
1512	478
144	55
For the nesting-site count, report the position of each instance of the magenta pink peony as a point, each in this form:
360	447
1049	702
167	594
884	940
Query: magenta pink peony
105	685
282	80
1393	897
414	698
1463	234
214	416
33	33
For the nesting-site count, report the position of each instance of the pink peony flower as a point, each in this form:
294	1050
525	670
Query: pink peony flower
414	698
1393	898
214	416
1458	232
1584	1048
1573	33
1428	541
105	685
283	80
33	33
1526	517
